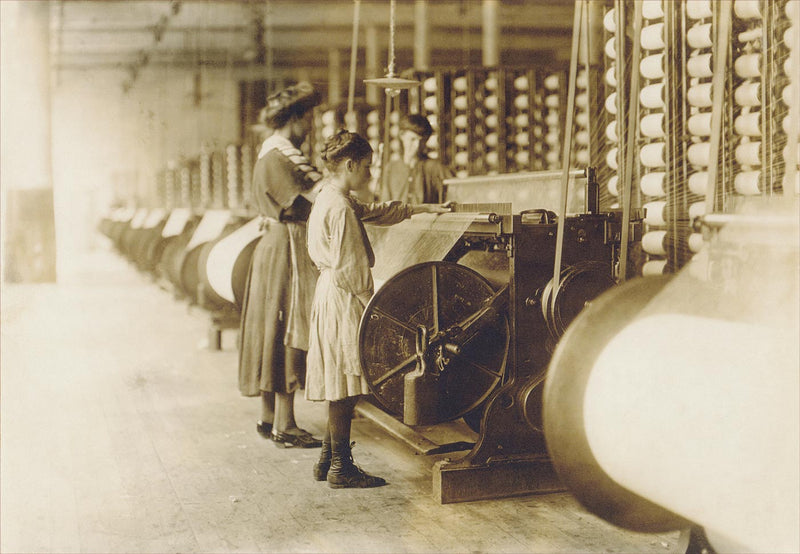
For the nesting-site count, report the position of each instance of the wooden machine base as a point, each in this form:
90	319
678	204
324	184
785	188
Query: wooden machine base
459	481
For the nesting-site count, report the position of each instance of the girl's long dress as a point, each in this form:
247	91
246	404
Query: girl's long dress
338	246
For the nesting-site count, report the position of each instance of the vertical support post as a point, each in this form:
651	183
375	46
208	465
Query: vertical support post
334	76
491	52
422	51
372	64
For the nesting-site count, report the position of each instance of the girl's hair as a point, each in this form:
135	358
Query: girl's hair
344	145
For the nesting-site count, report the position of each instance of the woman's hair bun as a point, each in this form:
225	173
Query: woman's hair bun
344	145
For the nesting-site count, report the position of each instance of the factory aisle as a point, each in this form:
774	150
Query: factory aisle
121	432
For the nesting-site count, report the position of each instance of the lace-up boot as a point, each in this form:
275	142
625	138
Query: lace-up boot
324	463
344	474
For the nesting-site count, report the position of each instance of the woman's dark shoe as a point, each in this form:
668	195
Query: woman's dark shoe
264	429
344	474
324	464
302	440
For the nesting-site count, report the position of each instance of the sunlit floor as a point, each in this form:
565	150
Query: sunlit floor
122	432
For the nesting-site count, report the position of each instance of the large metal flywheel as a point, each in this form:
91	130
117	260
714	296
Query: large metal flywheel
446	314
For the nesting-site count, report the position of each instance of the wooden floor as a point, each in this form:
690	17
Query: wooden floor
122	432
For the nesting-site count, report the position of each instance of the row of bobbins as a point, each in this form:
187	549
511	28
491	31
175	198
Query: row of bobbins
610	85
552	120
465	135
233	175
430	108
205	177
581	151
790	95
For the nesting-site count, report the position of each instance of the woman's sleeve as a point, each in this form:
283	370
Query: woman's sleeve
382	213
349	256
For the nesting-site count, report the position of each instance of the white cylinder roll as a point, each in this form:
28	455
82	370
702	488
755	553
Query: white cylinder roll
698	182
787	187
521	101
787	95
551	82
700	66
492	159
700	124
581	138
748	124
551	138
653	242
394	131
611	131
698	9
461	158
611	158
430	104
491	121
613	185
748	66
611	77
460	121
582	100
700	95
551	101
696	242
373	117
520	120
652	67
747	183
552	157
785	152
699	153
653	267
699	36
394	117
582	118
747	9
748	153
491	102
523	140
490	83
652	9
696	210
491	140
652	155
551	119
652	37
522	157
609	21
747	94
652	96
611	103
461	140
652	125
460	102
460	84
429	84
654	213
652	184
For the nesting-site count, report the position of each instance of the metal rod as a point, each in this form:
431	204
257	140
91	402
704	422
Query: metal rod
353	57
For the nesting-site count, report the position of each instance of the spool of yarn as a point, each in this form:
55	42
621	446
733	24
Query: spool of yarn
699	66
652	125
611	103
491	121
433	119
696	209
748	124
394	116
460	121
523	139
653	267
748	153
394	145
609	21
552	158
430	104
652	96
373	132
521	83
373	118
748	66
582	157
747	94
462	173
611	158
551	101
652	155
788	34
696	242
491	140
581	138
460	102
787	94
747	9
491	102
654	213
461	140
521	120
786	125
581	100
653	37
582	81
612	185
700	124
432	143
551	82
652	184
537	132
523	158
552	119
582	118
698	9
652	67
551	138
394	131
653	242
490	83
747	183
699	153
787	186
460	84
785	152
698	182
461	158
699	96
492	159
652	9
429	84
328	117
521	102
699	36
611	77
611	131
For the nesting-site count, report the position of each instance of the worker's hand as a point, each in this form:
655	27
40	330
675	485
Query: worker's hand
434	208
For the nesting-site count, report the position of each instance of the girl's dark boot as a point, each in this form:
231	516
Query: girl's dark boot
344	474
323	465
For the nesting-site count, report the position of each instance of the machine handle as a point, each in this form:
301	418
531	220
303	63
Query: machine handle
545	217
